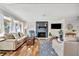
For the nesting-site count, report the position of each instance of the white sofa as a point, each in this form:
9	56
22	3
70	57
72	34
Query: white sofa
12	44
70	47
58	47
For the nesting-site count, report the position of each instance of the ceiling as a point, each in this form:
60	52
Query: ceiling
42	11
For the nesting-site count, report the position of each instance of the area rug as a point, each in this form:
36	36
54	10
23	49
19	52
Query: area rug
46	48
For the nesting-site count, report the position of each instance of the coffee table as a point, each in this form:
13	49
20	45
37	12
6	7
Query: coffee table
30	40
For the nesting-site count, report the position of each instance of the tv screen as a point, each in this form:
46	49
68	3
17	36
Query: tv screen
56	26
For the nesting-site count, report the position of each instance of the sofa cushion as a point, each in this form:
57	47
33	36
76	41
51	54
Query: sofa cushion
16	35
2	39
9	36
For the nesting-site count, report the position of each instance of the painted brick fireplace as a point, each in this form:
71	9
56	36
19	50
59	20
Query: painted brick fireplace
42	29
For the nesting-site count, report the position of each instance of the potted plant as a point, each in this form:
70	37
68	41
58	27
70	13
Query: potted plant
50	35
73	30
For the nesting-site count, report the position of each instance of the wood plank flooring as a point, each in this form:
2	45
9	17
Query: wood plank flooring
25	50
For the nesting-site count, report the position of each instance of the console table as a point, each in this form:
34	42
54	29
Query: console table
70	34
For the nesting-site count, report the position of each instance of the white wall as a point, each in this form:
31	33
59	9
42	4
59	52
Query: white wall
68	20
12	25
75	22
44	12
55	32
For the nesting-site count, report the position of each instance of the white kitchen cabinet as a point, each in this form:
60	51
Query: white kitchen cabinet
71	48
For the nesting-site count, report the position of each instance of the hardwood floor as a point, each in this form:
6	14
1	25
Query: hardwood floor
25	50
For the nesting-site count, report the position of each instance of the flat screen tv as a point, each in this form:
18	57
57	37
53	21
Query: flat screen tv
56	26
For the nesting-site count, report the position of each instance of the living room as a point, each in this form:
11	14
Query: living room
39	29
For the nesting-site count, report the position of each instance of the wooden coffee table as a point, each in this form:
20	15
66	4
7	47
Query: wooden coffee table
71	34
30	41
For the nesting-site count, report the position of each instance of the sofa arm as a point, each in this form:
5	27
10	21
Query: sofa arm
9	44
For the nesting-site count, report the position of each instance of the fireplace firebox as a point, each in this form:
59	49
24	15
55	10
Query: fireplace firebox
41	34
42	29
